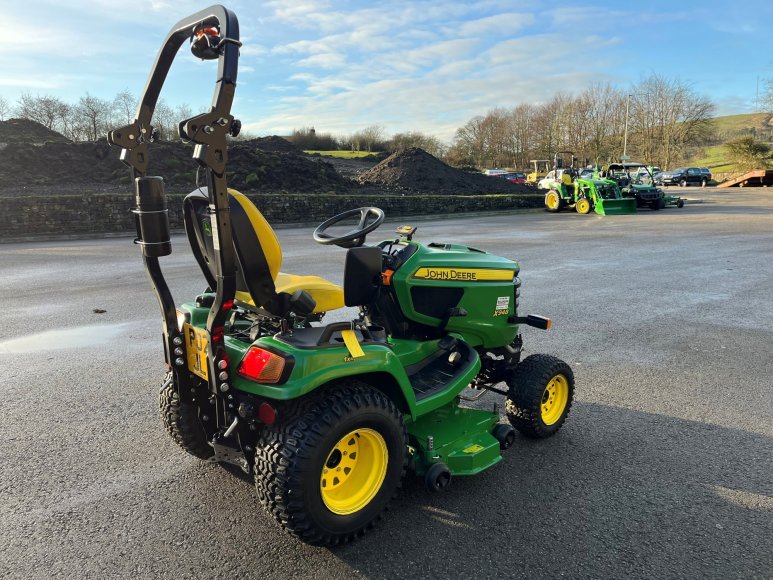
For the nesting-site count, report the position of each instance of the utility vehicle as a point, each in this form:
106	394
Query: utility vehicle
328	417
636	180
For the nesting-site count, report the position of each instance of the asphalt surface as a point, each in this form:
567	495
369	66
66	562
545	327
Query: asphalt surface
664	468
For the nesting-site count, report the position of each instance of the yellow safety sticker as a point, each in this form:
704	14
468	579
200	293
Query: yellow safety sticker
473	448
351	342
465	274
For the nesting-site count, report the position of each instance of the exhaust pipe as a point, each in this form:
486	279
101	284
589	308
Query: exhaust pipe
152	217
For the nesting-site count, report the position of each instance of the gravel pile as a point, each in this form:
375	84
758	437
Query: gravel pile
415	170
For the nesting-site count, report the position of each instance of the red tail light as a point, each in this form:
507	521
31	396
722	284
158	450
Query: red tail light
261	366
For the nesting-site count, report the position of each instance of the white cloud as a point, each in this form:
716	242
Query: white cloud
325	60
505	23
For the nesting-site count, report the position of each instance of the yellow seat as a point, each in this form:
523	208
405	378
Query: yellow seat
327	295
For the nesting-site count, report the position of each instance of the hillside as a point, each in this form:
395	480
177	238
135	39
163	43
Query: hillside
727	128
745	123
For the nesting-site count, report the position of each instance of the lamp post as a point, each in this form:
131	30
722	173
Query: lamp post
624	156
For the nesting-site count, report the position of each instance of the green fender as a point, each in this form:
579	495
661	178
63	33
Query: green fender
314	367
381	366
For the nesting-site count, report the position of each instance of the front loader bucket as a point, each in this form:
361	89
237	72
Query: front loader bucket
622	206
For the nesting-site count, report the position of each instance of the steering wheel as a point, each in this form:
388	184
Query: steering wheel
356	237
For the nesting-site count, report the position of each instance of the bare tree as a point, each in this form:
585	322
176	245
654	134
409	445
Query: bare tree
767	97
164	120
666	116
69	122
5	108
469	143
93	116
183	111
430	144
46	110
125	106
605	114
372	136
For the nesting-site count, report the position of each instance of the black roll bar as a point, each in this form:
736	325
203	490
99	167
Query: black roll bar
209	132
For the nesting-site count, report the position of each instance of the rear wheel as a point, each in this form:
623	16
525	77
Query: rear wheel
553	202
181	421
327	471
541	390
582	206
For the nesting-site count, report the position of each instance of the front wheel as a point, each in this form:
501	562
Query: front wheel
541	391
328	469
582	206
683	183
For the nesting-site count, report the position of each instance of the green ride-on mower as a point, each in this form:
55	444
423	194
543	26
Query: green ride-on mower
584	195
328	417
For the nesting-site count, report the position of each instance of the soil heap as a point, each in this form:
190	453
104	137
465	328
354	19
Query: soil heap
416	171
273	143
26	131
270	164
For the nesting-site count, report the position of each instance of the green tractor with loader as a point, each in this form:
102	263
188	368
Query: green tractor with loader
602	196
328	417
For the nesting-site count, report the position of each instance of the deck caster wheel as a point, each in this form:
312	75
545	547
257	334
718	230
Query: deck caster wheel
438	477
505	434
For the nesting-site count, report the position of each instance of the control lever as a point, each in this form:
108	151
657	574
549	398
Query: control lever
452	313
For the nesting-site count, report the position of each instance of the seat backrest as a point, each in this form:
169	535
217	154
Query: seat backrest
362	275
258	253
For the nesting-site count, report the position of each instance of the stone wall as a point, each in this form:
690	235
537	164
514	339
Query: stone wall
71	216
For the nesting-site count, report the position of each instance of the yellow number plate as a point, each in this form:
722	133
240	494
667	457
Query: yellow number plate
196	344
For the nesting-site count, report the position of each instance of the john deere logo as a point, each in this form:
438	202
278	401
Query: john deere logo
464	274
207	228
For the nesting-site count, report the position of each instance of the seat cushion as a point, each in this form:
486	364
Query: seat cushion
327	295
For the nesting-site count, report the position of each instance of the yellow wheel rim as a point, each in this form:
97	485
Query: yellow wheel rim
554	399
552	200
354	471
583	206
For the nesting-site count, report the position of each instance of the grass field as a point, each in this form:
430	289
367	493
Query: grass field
735	123
715	158
343	154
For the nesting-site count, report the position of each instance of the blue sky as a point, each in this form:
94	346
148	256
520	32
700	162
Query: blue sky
422	65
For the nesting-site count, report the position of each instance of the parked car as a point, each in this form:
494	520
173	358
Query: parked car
515	177
685	176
